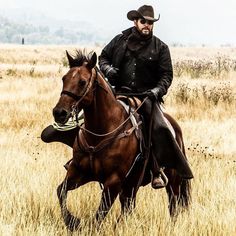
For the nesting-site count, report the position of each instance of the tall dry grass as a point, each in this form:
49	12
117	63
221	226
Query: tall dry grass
204	105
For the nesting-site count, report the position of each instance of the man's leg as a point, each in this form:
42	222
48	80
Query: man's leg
165	148
157	180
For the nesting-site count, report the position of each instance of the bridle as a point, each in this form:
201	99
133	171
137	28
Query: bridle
78	98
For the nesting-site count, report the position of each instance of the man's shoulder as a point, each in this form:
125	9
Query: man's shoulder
159	45
123	35
159	42
117	38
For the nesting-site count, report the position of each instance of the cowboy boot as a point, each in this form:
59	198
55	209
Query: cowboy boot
158	182
159	179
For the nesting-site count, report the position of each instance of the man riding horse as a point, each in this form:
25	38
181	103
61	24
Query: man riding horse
137	61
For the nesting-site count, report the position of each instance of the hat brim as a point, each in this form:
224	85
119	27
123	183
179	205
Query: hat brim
133	15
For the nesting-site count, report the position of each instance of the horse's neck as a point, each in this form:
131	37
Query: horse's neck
105	113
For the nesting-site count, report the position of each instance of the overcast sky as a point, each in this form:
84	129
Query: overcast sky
182	21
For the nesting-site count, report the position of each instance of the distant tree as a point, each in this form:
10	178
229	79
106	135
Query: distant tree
59	32
11	32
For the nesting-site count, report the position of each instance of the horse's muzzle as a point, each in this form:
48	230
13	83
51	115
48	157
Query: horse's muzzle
60	115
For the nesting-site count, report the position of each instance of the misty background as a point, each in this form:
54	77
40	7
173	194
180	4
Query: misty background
182	22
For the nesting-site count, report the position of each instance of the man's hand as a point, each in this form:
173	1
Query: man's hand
153	93
112	72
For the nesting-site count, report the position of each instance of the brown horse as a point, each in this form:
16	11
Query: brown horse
106	147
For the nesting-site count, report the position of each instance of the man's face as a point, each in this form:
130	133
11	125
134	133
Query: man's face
144	26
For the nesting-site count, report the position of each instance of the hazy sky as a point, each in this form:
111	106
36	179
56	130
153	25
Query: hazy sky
182	21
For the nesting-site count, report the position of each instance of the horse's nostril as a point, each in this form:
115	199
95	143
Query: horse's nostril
63	113
60	115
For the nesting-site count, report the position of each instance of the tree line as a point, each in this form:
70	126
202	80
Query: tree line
11	32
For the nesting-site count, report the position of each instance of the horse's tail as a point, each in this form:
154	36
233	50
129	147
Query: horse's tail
185	193
185	186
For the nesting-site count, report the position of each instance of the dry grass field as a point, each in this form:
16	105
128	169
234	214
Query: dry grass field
203	100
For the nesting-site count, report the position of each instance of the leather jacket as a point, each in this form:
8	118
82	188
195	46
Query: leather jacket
147	68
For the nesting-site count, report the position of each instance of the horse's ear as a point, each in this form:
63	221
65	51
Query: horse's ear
92	60
70	59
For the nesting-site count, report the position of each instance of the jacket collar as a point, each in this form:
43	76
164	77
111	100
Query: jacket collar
127	32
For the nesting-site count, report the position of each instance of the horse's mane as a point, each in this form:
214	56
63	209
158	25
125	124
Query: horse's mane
80	57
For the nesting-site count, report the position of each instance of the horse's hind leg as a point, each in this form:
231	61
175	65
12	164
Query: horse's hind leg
72	181
172	190
178	191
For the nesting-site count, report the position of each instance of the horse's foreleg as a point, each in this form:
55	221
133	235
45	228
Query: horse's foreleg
72	181
70	221
127	200
109	195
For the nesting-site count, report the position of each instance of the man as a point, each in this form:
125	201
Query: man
137	61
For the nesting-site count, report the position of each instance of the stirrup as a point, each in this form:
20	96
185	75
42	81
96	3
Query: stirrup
159	181
164	176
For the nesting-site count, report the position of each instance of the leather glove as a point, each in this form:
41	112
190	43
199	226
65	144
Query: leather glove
153	93
112	72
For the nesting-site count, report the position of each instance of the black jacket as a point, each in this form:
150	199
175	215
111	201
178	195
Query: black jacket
153	63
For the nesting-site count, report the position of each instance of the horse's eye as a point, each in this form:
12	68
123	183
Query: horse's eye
82	83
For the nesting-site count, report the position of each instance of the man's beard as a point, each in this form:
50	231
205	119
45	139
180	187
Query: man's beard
145	31
137	40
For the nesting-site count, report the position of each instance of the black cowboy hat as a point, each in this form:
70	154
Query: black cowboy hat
144	11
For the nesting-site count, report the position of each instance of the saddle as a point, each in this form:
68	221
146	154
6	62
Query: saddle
132	105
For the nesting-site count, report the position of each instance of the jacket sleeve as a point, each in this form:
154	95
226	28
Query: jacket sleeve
165	70
105	59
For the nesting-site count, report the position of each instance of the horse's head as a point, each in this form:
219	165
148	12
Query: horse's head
78	85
